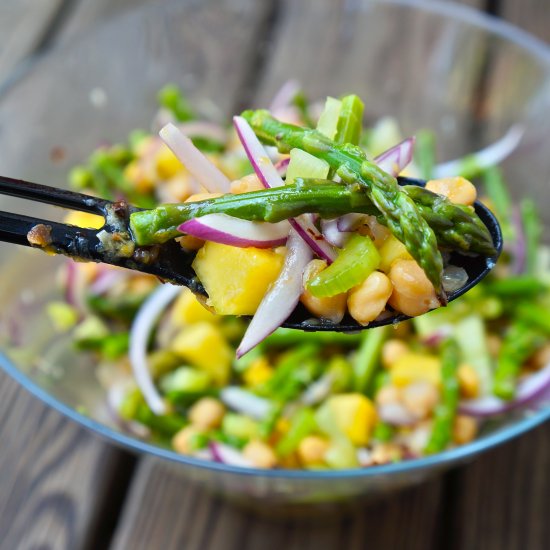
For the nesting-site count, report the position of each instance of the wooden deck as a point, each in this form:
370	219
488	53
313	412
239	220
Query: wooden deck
62	488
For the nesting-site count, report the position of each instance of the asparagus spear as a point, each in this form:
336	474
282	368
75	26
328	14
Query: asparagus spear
323	197
445	412
402	216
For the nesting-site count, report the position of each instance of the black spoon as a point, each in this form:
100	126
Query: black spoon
112	245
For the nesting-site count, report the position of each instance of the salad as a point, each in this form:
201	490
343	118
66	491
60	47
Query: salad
292	399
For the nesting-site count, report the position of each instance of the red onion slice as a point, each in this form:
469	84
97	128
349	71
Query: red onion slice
107	279
224	454
333	234
140	332
268	175
284	96
221	228
245	402
529	389
397	158
208	175
282	166
396	414
281	299
203	129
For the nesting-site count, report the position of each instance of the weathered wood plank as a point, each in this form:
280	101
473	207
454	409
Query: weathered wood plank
530	15
23	24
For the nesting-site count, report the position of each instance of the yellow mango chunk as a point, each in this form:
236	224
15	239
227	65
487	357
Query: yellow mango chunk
258	372
391	251
354	414
84	219
167	164
413	367
202	345
188	310
236	279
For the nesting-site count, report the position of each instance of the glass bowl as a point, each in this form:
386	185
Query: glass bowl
465	75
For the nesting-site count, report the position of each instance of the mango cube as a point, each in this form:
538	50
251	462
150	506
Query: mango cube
391	251
354	414
167	164
236	279
188	310
203	346
414	367
84	219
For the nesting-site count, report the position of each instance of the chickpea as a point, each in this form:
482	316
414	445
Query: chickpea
386	452
541	357
458	189
388	395
392	350
206	413
494	343
368	300
464	429
176	189
413	294
468	381
183	440
312	450
260	454
246	184
332	308
420	398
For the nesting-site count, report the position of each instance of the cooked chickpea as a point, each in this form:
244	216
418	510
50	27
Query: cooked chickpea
260	454
392	350
312	450
458	189
413	294
388	395
246	184
368	300
332	308
541	357
386	452
494	343
176	189
420	398
468	381
183	440
206	413
464	429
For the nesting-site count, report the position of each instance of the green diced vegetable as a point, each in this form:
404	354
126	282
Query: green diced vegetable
328	121
240	426
171	97
341	373
63	315
284	337
356	261
185	379
383	432
424	153
494	186
350	120
304	165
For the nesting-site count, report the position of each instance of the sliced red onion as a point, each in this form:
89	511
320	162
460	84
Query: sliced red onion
225	454
281	299
107	279
454	278
221	228
333	235
396	159
492	155
208	175
140	332
75	287
245	402
529	389
396	414
350	222
282	166
318	390
435	338
269	177
284	96
518	248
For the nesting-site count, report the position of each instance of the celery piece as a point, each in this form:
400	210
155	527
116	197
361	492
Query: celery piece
304	165
356	261
471	338
350	120
63	315
368	357
341	454
340	371
185	379
424	153
301	425
328	121
240	426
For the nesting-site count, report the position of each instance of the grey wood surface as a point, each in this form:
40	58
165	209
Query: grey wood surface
60	487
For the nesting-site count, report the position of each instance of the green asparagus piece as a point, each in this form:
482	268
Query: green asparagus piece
283	337
534	315
383	432
494	186
402	216
171	98
518	286
532	227
446	410
520	342
301	425
368	357
350	120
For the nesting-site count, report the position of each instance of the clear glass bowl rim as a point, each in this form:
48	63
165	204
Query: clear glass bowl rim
465	14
